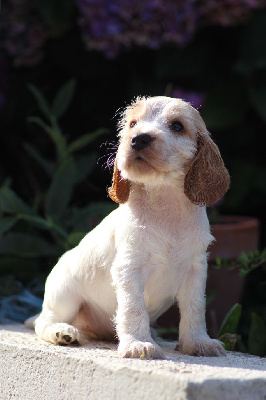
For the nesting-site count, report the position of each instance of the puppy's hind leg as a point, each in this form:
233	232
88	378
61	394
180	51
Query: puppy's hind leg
30	322
54	323
61	305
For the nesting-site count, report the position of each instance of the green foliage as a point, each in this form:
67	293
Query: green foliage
51	224
228	330
245	263
61	189
167	333
63	98
257	336
231	321
10	203
26	245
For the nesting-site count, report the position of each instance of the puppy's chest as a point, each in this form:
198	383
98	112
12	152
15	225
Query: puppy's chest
170	253
165	264
167	243
173	227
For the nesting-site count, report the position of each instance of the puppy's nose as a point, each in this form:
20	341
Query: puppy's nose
139	142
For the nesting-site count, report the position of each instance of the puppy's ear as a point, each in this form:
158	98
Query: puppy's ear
207	179
119	191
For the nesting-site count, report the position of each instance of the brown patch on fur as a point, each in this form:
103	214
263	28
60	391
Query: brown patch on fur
119	191
135	111
207	179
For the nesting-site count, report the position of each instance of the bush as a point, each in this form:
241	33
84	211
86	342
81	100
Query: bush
51	223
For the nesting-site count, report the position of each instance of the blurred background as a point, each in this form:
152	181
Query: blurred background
66	69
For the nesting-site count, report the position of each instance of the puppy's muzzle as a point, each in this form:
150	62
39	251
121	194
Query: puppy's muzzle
139	142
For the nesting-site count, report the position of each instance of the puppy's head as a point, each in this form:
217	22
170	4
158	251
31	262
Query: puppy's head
164	141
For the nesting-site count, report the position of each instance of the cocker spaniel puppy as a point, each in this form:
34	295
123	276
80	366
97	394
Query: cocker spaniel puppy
150	251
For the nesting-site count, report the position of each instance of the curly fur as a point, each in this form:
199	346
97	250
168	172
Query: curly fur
150	251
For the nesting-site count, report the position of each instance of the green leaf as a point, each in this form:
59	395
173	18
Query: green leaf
231	321
257	336
45	164
38	121
7	223
41	100
229	340
75	238
44	224
59	141
228	330
54	133
218	261
63	98
244	259
85	165
25	245
61	189
11	203
85	140
83	219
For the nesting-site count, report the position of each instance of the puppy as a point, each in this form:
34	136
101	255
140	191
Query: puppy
150	251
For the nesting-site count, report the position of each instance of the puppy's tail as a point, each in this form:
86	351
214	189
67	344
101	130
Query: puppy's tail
30	322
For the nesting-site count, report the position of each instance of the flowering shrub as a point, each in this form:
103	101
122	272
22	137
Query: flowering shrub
227	12
110	26
107	26
196	99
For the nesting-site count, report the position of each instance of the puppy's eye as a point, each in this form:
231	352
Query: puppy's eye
133	123
176	126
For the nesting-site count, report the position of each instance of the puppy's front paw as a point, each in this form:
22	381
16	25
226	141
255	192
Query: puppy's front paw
205	346
138	349
65	335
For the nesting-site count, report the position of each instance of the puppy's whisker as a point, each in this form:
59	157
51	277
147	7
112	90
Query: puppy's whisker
109	146
107	160
118	112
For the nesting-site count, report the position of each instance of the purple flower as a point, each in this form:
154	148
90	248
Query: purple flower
227	12
196	99
121	24
110	26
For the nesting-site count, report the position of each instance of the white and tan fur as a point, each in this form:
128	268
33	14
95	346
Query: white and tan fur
150	251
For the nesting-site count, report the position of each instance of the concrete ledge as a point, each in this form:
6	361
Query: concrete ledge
31	369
